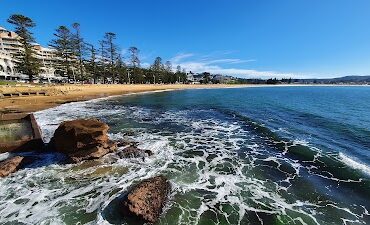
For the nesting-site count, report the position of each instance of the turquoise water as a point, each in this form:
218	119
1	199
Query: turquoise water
268	155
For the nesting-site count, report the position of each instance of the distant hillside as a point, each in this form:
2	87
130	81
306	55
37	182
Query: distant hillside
218	78
353	79
344	80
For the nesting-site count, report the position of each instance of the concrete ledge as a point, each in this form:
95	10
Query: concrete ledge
22	94
34	143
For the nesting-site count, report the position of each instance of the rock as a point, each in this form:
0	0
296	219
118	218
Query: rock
147	199
10	165
123	143
83	139
148	152
134	152
79	134
95	152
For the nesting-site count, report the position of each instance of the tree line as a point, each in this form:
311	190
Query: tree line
82	61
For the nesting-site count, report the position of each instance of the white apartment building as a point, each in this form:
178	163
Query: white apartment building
10	45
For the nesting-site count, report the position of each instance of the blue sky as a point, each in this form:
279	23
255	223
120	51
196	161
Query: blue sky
246	38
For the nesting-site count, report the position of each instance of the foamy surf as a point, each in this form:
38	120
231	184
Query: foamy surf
354	163
222	170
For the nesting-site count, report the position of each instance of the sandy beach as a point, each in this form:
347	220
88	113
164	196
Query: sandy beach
60	94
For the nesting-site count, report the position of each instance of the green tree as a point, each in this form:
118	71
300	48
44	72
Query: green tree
27	63
78	47
91	64
121	70
184	77
168	66
206	78
157	69
169	75
110	52
103	62
180	75
134	56
135	71
63	44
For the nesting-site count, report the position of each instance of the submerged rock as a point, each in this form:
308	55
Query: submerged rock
83	139
147	199
134	152
124	143
10	165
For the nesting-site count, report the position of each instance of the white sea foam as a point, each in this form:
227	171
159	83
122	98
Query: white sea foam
4	156
354	163
202	161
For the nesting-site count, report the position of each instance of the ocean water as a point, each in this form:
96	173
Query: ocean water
267	155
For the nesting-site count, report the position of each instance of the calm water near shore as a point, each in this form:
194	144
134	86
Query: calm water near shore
269	155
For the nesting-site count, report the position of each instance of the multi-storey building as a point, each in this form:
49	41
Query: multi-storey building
10	45
9	41
48	58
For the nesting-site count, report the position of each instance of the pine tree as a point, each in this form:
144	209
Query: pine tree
78	47
135	65
91	65
121	69
102	63
110	50
63	44
168	78
27	63
134	57
157	69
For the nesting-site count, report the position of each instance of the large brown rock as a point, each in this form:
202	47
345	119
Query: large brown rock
147	199
83	139
10	165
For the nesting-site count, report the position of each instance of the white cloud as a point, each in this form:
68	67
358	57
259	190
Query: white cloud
181	56
229	61
220	66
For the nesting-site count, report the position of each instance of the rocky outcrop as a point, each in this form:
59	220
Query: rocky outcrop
83	139
147	199
10	165
134	152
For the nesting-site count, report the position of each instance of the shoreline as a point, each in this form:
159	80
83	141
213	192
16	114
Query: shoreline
62	94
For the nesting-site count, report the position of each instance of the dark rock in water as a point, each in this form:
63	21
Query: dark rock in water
10	165
134	152
123	143
129	133
27	160
148	152
147	199
95	152
147	119
83	139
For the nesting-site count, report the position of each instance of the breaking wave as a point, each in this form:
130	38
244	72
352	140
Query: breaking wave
354	164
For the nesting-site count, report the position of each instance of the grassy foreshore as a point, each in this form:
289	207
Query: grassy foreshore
61	94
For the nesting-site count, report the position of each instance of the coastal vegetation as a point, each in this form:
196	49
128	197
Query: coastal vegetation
74	60
84	62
